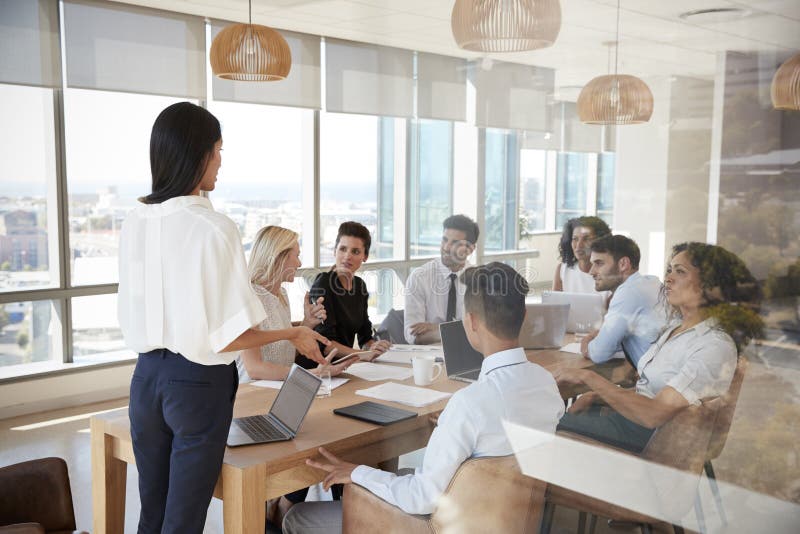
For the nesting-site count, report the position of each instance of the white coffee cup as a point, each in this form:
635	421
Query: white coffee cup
423	366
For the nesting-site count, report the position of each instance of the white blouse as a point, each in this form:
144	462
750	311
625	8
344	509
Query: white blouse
573	280
698	363
278	317
183	282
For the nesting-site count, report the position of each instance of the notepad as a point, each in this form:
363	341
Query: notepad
574	348
276	384
403	394
373	372
403	354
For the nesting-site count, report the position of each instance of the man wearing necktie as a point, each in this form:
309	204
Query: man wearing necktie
434	293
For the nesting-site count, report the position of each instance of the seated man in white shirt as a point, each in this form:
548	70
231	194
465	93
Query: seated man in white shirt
509	388
433	292
636	316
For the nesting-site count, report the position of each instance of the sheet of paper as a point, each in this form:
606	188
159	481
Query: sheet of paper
404	355
403	394
574	348
336	381
373	371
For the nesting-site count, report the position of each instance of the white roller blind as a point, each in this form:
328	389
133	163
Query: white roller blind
29	47
441	87
512	96
368	79
580	137
300	89
120	47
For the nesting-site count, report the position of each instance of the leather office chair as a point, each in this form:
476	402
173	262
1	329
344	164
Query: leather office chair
680	443
719	434
35	498
392	327
485	495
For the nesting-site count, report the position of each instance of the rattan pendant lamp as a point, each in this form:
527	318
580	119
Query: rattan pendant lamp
785	89
250	52
615	98
505	25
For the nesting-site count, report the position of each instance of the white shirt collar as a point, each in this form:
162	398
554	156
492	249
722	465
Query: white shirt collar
445	270
174	204
502	359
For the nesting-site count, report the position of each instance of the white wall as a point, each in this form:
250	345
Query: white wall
64	390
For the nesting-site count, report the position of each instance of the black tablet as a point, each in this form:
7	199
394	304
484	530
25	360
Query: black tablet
372	412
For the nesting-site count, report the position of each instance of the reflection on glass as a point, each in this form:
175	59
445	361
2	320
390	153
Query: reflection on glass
29	332
27	173
108	168
431	178
95	327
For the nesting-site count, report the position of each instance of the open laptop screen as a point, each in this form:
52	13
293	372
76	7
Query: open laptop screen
459	356
295	398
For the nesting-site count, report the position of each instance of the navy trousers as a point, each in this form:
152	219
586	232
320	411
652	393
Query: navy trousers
608	426
180	413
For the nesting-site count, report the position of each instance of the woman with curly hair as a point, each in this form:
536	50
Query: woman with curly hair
572	273
714	298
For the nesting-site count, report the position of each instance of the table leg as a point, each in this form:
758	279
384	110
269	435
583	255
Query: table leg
109	476
244	494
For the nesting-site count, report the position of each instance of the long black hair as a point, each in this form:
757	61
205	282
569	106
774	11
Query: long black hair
598	226
731	295
181	143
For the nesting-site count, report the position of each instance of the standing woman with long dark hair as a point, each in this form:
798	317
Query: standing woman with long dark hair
185	305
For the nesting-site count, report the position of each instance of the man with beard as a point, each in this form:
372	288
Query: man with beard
635	315
434	293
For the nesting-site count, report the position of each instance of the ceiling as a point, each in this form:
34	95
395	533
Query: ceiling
654	41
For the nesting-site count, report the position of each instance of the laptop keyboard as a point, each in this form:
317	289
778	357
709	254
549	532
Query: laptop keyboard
259	428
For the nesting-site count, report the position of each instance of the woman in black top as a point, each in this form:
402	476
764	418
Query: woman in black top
346	295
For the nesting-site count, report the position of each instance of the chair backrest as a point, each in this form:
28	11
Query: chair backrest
393	326
681	443
490	495
37	491
719	434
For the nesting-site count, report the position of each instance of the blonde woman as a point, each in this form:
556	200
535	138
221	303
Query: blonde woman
274	259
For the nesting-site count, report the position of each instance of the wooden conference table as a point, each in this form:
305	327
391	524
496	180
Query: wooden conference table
253	474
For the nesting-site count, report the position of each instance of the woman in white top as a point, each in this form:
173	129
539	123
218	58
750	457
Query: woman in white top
713	294
185	305
274	259
572	273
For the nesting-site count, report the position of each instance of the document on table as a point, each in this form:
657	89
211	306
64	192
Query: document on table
403	353
276	384
574	348
408	395
374	372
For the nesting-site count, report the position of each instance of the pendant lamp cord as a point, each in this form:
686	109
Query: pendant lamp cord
250	14
616	54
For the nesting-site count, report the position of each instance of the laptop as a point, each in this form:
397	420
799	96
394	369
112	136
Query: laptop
585	308
461	361
285	416
544	326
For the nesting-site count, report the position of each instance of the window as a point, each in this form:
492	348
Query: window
108	169
572	170
95	328
28	227
532	191
262	176
30	331
501	172
605	186
351	168
431	154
